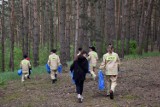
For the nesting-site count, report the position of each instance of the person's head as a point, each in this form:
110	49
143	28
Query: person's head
25	56
53	51
79	49
92	48
84	54
110	48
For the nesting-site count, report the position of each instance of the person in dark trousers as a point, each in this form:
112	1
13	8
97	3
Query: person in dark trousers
79	69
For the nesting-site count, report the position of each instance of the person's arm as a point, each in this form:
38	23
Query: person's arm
86	66
21	64
89	56
118	62
48	61
72	67
97	57
29	64
103	64
59	63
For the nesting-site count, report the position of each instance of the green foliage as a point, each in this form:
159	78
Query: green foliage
135	56
17	57
43	55
72	52
132	46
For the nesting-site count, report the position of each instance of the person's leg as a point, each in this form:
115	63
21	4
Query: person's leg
55	75
108	84
113	85
81	87
91	69
22	78
78	89
113	82
52	76
29	73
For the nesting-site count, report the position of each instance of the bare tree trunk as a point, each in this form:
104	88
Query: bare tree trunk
25	25
98	35
123	33
110	21
2	39
143	24
12	36
67	29
36	35
77	27
51	26
62	32
127	21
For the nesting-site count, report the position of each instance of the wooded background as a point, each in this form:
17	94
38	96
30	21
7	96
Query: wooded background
34	27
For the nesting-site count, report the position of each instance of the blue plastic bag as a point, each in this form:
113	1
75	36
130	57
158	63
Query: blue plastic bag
71	74
101	83
19	72
48	68
60	69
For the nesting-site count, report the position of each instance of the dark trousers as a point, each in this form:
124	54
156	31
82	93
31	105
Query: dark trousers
79	86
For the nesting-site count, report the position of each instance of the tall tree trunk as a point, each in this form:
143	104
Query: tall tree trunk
143	24
3	35
62	32
127	21
25	25
98	29
110	21
123	33
36	35
67	30
12	36
51	26
77	27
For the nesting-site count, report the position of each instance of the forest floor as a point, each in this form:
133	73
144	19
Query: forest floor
138	86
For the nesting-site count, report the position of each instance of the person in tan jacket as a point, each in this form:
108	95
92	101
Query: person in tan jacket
53	62
110	62
93	58
25	66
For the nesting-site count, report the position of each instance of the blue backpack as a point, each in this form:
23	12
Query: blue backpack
71	74
60	69
48	68
19	72
101	83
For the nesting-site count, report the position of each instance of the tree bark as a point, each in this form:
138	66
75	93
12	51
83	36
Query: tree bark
110	21
12	36
36	35
143	24
62	32
3	35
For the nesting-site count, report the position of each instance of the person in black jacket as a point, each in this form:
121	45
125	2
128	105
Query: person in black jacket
79	69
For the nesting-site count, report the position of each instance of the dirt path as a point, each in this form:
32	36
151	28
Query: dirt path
138	85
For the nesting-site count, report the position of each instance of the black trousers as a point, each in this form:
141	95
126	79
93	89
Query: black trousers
79	86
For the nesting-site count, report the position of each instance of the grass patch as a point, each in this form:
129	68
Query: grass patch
11	97
149	54
130	97
8	76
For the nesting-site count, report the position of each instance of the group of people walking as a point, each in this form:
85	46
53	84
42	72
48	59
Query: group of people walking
83	63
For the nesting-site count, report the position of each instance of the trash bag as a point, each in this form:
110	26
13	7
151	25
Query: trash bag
88	68
19	72
71	74
60	69
101	83
48	68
